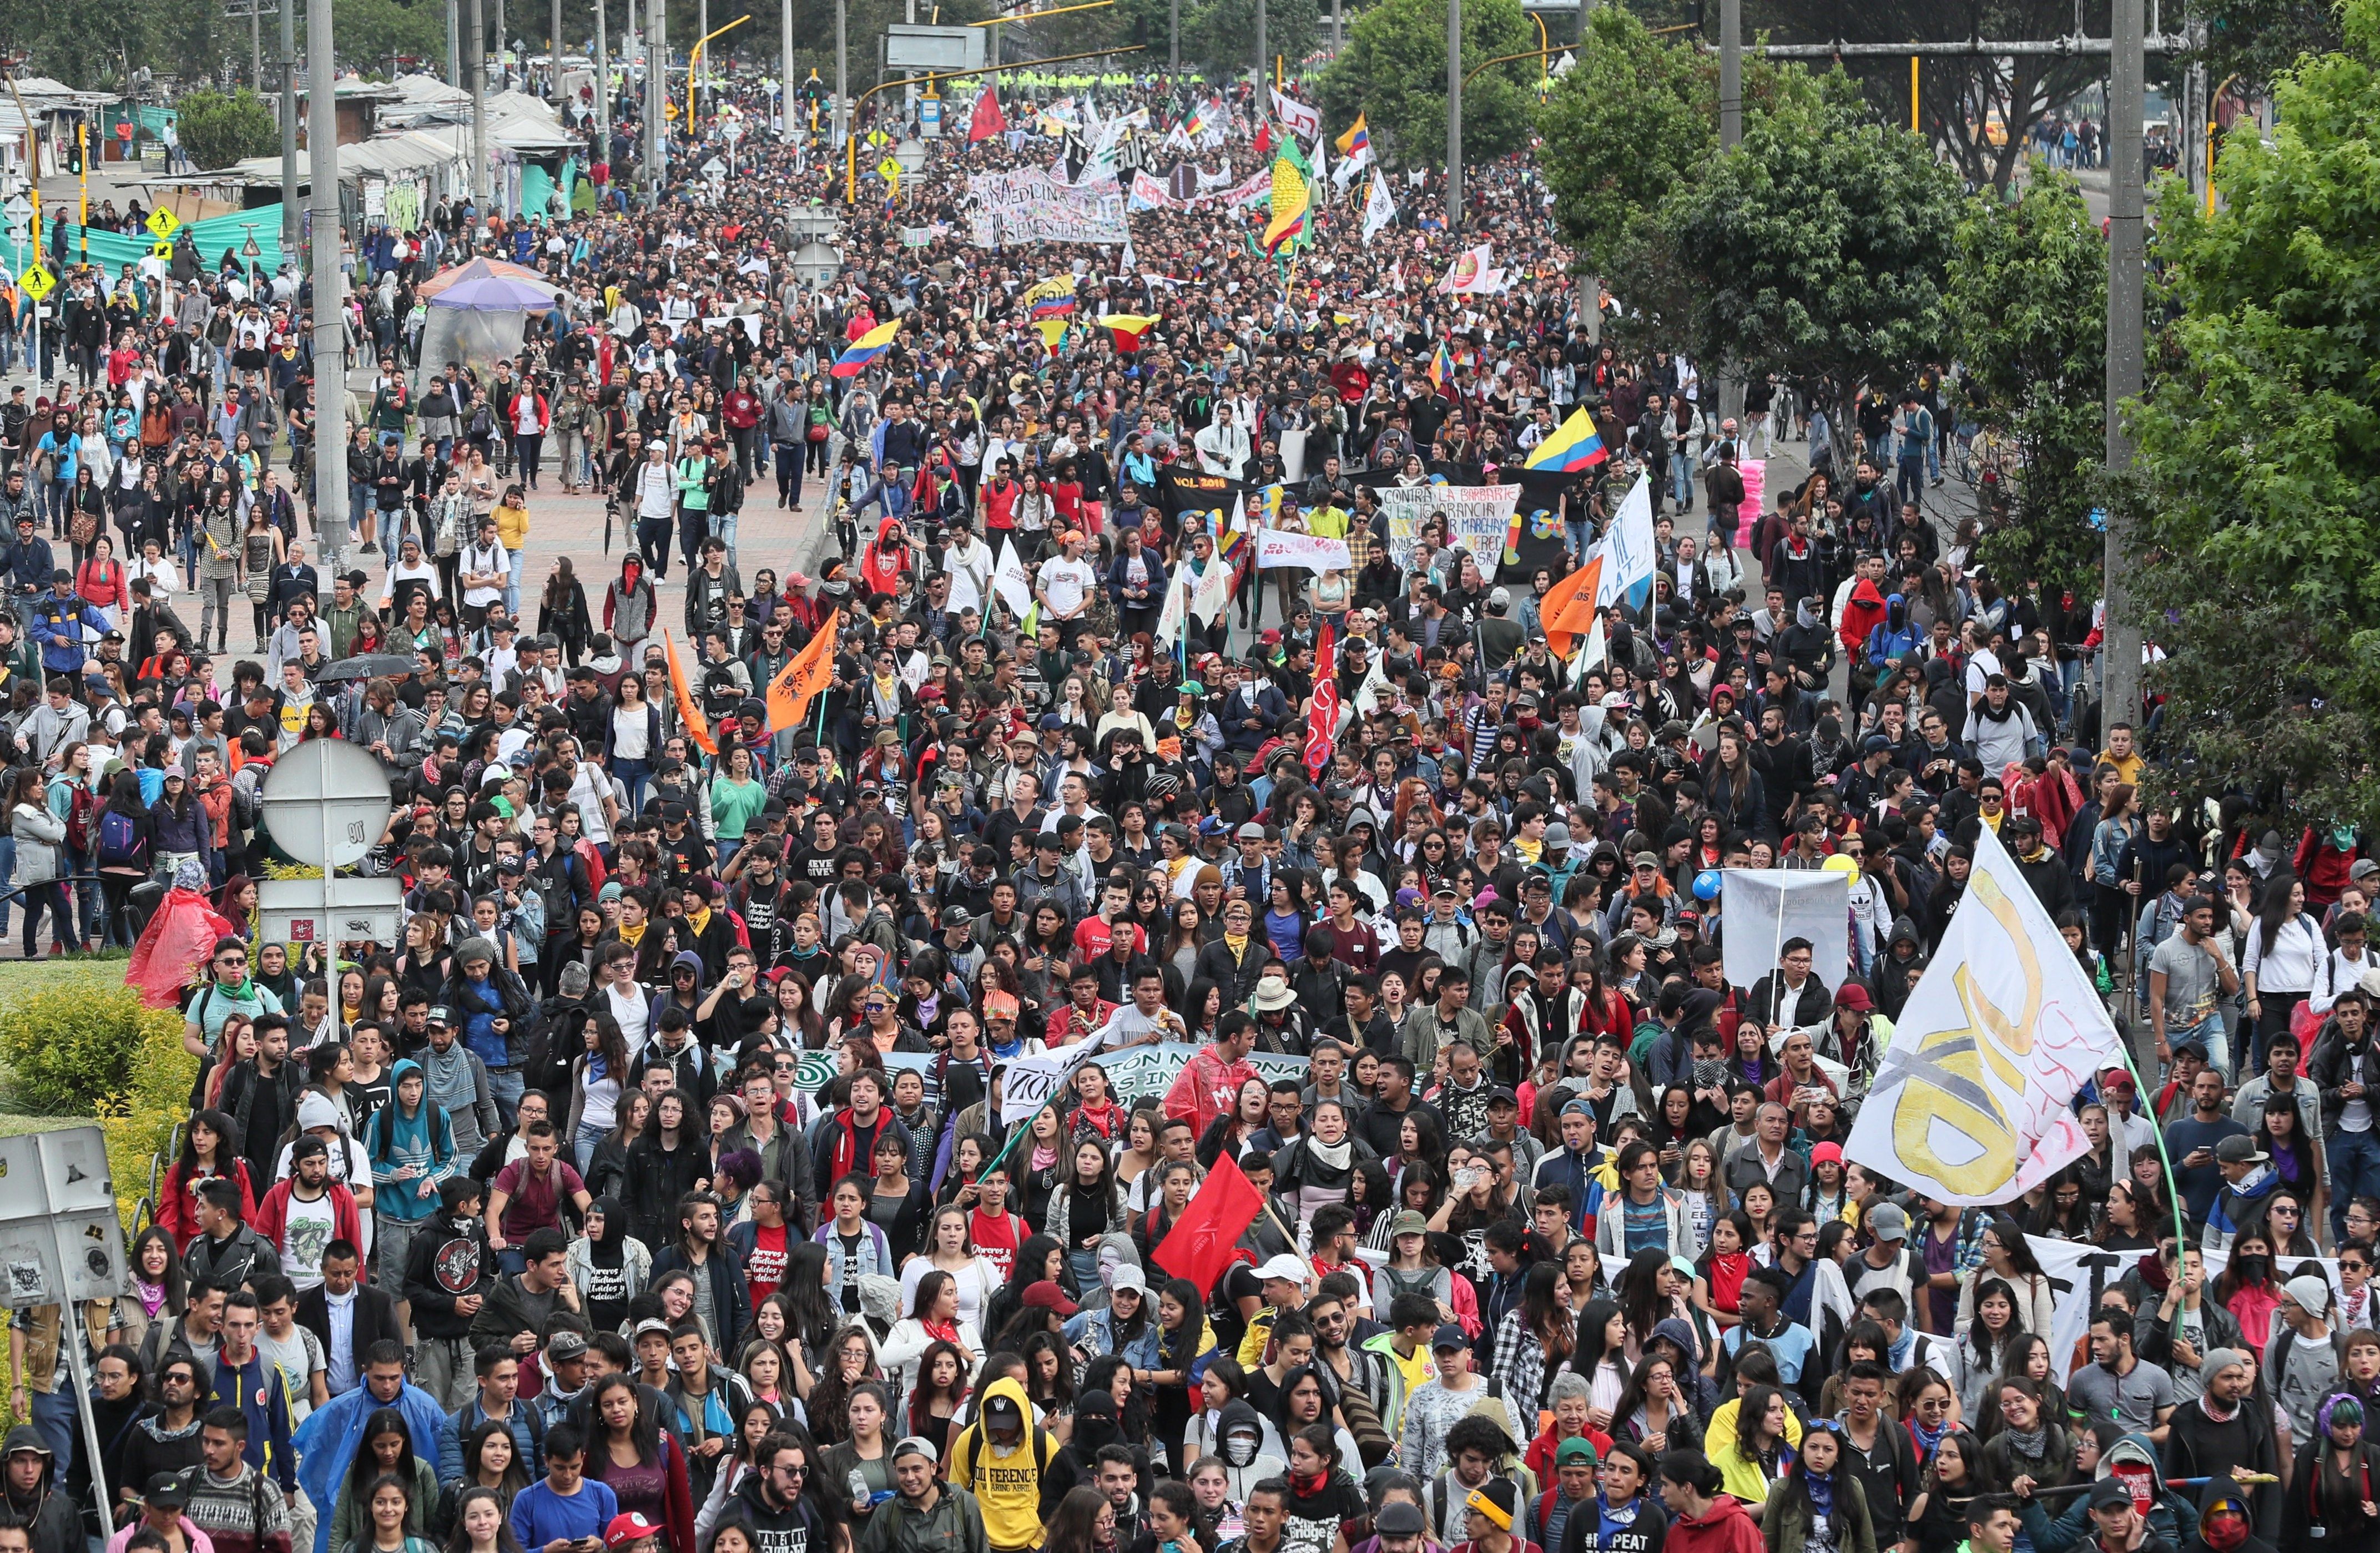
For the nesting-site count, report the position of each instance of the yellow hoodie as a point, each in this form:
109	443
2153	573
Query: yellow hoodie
1007	1485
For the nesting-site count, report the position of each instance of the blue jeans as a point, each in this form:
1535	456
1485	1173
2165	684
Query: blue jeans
505	1088
583	1147
517	559
1681	481
2354	1172
54	1415
1582	537
1909	483
633	775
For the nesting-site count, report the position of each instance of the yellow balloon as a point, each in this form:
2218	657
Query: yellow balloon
1843	863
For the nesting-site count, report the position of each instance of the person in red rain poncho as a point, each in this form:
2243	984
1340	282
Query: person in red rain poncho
885	558
176	945
1703	1519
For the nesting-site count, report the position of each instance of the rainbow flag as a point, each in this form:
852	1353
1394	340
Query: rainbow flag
1573	446
1441	367
865	349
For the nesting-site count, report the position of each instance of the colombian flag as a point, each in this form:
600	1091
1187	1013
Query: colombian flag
1573	447
1357	141
865	349
1051	299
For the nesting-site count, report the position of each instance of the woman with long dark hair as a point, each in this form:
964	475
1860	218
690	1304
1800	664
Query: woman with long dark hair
1656	1411
1083	1523
1039	1260
850	1362
386	1451
210	1149
2285	950
482	1523
491	1464
1754	1457
641	1463
1818	1505
1534	1338
1983	1347
939	1392
1601	1356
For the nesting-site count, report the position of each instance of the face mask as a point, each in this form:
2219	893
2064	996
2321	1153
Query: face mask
2225	1530
2252	1266
1240	1449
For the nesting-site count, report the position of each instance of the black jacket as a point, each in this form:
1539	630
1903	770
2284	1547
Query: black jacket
375	1316
447	1260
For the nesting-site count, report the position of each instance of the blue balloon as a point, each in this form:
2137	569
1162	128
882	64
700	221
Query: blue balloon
1706	885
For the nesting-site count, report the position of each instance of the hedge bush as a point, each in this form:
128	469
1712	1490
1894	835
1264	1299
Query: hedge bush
139	1120
69	1049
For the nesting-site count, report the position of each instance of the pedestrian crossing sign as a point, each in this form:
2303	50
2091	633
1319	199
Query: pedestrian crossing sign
37	280
162	223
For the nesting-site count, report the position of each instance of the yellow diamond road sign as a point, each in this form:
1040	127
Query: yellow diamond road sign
163	221
38	282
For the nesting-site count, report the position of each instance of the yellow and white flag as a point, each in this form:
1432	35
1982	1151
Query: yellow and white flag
1971	1103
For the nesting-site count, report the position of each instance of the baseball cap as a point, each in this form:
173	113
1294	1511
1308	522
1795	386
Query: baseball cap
1574	1448
653	1324
2109	1493
1408	1224
1046	1295
166	1492
1448	1336
629	1528
1888	1222
566	1345
2240	1149
1285	1266
914	1445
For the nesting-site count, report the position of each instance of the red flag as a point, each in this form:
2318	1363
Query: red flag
1201	1245
1322	722
1264	136
988	120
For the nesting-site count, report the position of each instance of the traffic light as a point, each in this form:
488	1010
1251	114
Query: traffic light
74	155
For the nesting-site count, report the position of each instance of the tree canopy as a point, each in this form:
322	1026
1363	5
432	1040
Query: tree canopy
2260	451
1394	72
2027	309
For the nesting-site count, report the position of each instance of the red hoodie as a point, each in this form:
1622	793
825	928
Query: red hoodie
1862	613
1726	1529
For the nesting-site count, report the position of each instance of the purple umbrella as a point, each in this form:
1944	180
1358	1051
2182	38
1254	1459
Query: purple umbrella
489	290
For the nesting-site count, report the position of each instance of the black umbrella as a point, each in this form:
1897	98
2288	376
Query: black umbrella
367	665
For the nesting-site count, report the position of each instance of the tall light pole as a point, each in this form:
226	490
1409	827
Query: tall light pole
2127	66
554	59
454	42
330	321
474	49
1730	74
1172	37
1264	63
1454	117
785	92
602	80
843	70
289	127
656	98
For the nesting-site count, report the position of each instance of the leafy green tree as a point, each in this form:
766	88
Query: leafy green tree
1821	247
1394	72
1221	34
1623	128
2028	320
217	130
2258	454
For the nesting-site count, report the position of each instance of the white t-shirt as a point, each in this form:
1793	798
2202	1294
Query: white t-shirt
310	1229
632	1013
491	562
1066	583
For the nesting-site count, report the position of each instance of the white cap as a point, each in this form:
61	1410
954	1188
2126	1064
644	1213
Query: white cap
1285	1266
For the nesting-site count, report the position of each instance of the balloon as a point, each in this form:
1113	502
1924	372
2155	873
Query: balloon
1706	885
1843	863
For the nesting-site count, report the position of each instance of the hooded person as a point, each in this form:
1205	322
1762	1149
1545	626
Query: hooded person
1002	1458
34	1495
886	557
2248	1179
1097	1426
412	1149
326	1442
2225	1520
2131	1460
1250	1449
1703	1519
448	1271
609	1266
1891	638
1864	612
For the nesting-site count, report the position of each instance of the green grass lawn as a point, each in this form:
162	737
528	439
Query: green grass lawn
50	975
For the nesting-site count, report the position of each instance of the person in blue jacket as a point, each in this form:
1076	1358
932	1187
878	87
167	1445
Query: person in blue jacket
59	624
326	1442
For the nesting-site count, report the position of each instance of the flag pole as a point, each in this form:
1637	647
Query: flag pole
2172	1182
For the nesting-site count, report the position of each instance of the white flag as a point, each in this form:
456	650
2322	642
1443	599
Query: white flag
1213	593
1628	547
1766	906
1321	163
1380	209
1012	581
1344	173
1177	603
1972	1102
1473	273
1299	117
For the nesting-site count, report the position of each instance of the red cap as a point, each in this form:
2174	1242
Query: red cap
1853	996
629	1528
1047	1295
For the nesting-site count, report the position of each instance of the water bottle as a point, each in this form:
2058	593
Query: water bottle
857	1483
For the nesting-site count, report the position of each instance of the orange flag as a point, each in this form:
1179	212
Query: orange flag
1568	608
809	671
689	711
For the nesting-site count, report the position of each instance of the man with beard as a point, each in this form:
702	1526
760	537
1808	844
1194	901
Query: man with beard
924	1513
448	1268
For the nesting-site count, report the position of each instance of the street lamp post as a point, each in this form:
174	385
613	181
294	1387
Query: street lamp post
331	516
290	126
1454	118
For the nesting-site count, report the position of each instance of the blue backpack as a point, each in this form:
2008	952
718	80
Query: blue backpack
120	842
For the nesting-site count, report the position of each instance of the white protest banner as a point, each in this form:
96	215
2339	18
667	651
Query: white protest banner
1283	546
1012	581
1477	518
1305	119
2080	1272
1147	194
1763	907
1177	603
1031	1081
1029	205
1972	1102
1254	190
1379	206
1628	549
1213	594
1471	273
